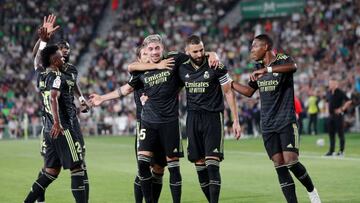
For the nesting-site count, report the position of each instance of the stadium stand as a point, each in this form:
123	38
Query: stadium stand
323	40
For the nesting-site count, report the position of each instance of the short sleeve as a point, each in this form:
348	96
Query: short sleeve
222	74
253	84
134	80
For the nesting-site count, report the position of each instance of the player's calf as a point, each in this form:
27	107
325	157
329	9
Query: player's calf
78	185
213	168
39	186
203	177
145	176
175	179
286	183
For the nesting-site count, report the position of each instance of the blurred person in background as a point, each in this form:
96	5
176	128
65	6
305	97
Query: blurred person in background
338	103
313	110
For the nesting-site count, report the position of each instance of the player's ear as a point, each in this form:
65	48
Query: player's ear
187	50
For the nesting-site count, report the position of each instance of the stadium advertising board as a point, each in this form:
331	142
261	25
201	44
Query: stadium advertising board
270	8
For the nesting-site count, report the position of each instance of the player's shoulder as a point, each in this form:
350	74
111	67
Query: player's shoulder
70	68
282	56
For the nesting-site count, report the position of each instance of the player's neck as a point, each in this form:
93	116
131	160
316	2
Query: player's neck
54	68
269	58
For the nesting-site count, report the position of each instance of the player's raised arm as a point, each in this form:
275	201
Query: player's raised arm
139	66
45	32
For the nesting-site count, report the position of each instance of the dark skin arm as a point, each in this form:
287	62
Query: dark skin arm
84	104
285	68
243	89
36	47
56	129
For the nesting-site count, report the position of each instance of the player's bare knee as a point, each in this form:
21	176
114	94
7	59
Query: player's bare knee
200	162
172	159
212	157
145	153
278	159
158	169
290	158
53	171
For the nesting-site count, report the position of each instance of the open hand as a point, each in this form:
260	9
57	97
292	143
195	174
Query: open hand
166	64
49	22
95	100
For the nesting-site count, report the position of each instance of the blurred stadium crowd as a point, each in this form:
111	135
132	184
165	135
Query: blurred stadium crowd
323	41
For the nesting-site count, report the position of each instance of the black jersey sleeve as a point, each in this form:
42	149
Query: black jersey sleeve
222	74
253	84
134	80
179	57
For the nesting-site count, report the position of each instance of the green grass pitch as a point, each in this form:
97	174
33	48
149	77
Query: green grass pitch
247	174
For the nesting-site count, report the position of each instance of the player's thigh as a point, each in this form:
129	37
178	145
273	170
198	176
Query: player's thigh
195	137
272	143
147	137
289	136
51	156
214	135
171	139
69	149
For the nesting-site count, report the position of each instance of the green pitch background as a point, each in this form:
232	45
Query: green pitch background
247	174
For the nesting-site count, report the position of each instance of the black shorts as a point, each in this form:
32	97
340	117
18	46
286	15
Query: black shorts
65	150
159	157
285	139
161	137
205	131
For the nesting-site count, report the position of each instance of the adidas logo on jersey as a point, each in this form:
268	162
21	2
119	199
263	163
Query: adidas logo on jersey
216	150
175	150
187	75
290	146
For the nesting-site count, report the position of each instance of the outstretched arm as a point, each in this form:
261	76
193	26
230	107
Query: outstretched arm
97	100
243	89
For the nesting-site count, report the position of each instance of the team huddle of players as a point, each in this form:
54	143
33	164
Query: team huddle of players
156	79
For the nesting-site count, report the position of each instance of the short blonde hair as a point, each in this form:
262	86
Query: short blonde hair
152	38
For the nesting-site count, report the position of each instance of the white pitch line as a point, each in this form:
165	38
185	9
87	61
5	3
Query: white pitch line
301	155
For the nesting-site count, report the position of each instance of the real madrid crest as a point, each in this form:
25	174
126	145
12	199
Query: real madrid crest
206	75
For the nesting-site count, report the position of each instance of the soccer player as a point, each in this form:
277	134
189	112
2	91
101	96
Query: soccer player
274	79
45	32
205	118
159	162
160	115
63	145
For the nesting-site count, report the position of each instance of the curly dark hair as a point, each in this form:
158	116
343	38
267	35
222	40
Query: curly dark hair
46	53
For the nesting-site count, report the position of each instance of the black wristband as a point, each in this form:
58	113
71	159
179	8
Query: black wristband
232	84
